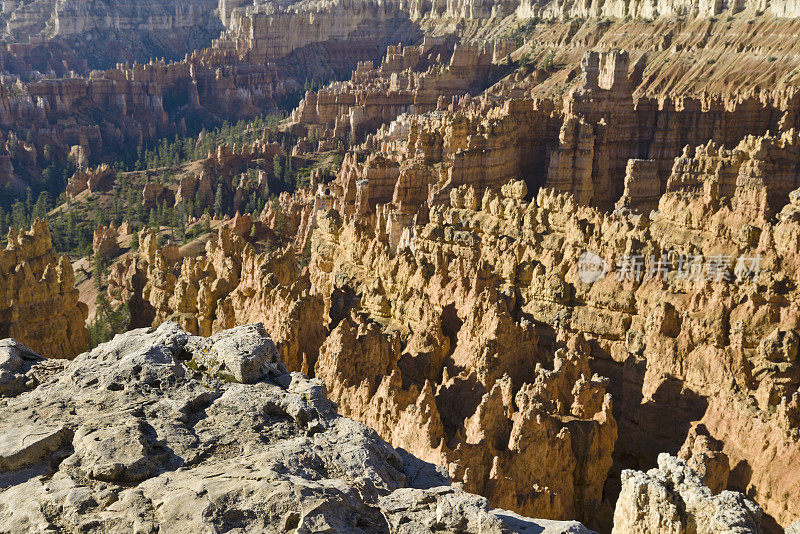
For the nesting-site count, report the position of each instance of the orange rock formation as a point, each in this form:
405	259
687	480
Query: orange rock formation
38	301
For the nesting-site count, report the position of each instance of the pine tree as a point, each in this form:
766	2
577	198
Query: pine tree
107	322
218	200
276	167
42	206
19	217
99	218
138	208
50	178
71	234
160	216
28	200
12	145
288	173
98	271
175	223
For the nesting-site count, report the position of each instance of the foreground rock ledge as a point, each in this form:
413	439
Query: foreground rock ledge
161	431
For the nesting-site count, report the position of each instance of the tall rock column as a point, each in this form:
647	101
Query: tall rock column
39	304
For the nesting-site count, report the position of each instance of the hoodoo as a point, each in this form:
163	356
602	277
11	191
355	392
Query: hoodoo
400	267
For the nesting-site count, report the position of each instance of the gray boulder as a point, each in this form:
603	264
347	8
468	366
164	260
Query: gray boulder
672	498
16	364
161	431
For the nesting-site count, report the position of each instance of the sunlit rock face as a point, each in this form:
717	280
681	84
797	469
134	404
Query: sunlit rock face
557	245
39	304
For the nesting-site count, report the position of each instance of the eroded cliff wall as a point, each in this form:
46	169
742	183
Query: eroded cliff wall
103	33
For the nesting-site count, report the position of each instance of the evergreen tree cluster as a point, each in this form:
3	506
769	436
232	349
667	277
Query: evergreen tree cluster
108	320
181	150
72	224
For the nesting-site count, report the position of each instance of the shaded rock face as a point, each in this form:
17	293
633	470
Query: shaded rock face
39	304
93	180
540	444
219	170
138	30
141	435
104	242
403	81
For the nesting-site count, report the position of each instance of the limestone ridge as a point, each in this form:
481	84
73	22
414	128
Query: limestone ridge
158	429
39	304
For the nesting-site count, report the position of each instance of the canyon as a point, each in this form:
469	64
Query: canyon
545	252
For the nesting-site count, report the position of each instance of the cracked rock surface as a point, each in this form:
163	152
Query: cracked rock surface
154	431
672	498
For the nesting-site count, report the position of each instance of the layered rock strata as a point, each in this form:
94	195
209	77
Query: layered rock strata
139	30
411	78
267	33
